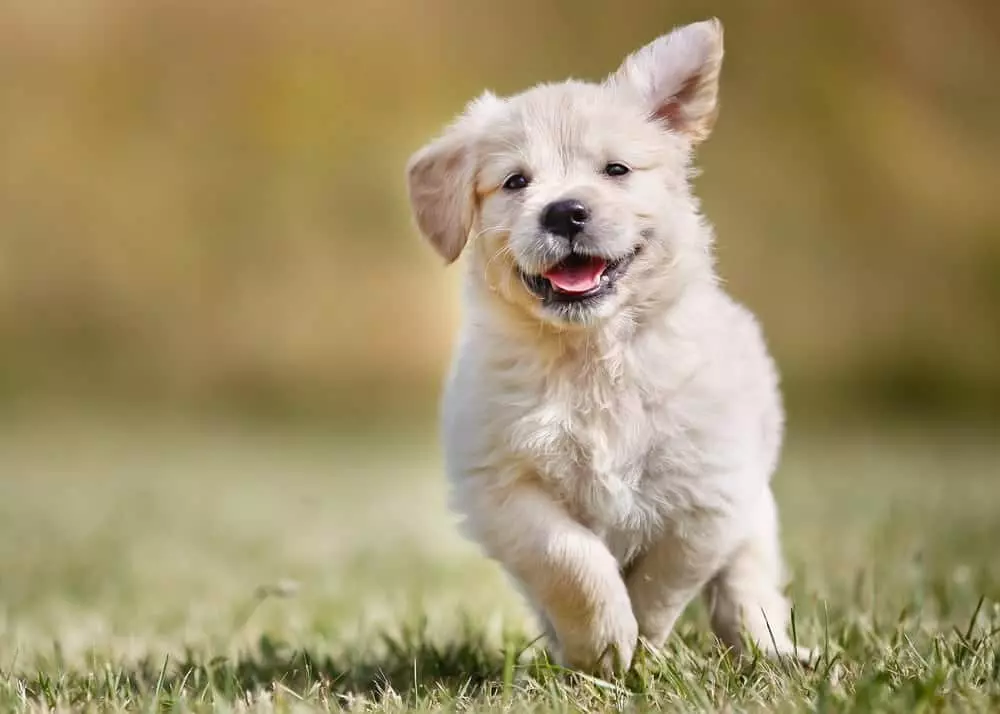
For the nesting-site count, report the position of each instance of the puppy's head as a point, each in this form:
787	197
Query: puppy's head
574	197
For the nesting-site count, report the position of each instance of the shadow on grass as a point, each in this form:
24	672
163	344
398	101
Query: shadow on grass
410	667
406	667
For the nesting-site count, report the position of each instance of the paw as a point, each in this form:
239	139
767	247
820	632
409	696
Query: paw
803	655
786	651
776	648
605	650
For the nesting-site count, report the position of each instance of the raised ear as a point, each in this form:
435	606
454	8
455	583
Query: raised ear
441	178
677	75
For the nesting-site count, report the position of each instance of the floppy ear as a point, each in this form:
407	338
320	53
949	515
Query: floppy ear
442	181
677	75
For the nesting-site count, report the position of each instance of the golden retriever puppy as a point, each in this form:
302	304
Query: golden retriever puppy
612	418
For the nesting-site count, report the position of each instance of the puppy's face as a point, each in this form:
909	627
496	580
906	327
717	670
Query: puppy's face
575	195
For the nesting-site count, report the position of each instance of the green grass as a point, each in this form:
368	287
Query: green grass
208	567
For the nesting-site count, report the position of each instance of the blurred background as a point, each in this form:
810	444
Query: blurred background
222	341
202	204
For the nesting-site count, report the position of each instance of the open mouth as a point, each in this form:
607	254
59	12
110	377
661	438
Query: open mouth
578	278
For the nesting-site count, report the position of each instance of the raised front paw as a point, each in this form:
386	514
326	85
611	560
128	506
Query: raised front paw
604	648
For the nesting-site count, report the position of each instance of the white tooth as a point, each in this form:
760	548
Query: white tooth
604	277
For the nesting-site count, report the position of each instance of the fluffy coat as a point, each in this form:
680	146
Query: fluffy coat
613	454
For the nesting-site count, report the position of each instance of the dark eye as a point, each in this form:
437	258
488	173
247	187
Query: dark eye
616	169
515	182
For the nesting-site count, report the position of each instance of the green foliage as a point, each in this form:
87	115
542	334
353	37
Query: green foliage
900	667
133	557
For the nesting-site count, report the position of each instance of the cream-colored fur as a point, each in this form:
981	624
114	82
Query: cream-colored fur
615	459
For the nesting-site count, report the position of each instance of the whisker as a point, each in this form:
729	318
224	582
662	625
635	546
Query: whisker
502	250
484	231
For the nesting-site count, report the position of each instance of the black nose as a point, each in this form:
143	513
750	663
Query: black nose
565	218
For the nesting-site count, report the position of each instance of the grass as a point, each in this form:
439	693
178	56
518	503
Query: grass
202	567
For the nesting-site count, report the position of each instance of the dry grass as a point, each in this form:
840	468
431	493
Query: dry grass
201	566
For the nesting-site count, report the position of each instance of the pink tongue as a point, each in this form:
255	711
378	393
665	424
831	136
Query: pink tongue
576	278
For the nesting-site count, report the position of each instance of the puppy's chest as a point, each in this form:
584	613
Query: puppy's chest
591	446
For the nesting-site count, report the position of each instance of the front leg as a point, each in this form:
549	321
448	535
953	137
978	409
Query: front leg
565	570
745	598
664	579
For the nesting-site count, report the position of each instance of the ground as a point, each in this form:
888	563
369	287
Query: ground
199	565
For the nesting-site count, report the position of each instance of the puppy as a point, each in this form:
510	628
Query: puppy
612	418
